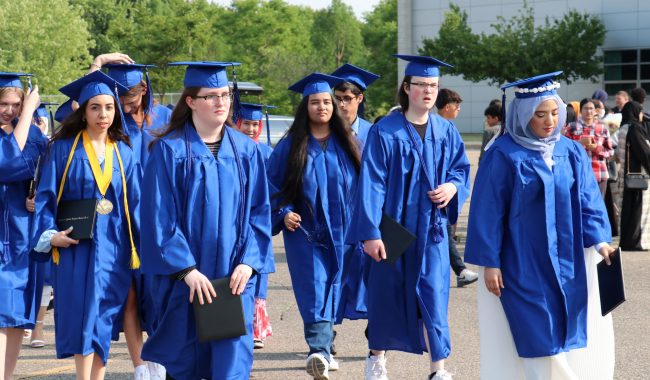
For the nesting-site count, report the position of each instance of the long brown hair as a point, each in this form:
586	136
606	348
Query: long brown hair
137	90
75	122
291	190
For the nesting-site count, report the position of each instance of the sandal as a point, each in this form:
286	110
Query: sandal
37	343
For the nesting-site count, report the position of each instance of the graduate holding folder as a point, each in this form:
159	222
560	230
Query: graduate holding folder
415	171
535	209
89	162
206	216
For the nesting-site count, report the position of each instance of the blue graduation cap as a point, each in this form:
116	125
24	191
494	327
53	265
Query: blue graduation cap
41	111
539	85
12	79
353	74
250	111
93	84
422	66
63	111
315	83
130	75
205	74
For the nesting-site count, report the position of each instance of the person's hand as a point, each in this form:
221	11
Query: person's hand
443	194
292	221
61	239
493	281
30	205
200	285
31	102
375	249
605	251
239	278
108	58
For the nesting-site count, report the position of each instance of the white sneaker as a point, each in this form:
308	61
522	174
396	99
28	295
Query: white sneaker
334	364
141	372
441	375
375	368
156	371
318	367
466	277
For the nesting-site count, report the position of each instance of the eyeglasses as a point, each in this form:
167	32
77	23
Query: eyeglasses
213	98
345	99
423	86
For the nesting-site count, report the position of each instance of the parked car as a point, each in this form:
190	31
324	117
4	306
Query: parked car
279	126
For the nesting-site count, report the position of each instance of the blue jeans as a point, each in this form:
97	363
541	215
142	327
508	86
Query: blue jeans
319	338
455	260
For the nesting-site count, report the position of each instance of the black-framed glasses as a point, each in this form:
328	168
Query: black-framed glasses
422	85
213	98
345	99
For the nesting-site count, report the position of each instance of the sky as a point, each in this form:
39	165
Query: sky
359	6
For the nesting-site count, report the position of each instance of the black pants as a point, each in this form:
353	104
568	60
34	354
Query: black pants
457	264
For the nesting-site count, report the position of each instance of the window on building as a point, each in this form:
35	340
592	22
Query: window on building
627	69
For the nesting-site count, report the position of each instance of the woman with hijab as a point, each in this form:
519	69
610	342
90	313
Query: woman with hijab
635	226
535	207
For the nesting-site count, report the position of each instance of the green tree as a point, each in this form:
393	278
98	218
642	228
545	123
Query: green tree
100	15
380	38
51	43
336	36
518	49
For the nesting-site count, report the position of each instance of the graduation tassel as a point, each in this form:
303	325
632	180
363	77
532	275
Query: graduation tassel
503	113
236	102
268	126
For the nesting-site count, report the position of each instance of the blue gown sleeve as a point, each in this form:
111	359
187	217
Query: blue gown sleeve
370	194
14	165
458	174
489	208
276	172
595	222
165	251
257	252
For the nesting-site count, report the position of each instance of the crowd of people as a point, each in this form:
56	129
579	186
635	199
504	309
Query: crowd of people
183	195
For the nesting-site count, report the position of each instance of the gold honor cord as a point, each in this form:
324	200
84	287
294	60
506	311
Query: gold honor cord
135	260
103	180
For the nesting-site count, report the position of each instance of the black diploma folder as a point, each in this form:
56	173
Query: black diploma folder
610	283
396	238
77	214
221	319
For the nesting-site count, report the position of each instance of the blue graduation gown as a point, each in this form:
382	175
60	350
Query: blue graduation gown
92	278
315	268
190	216
262	283
140	140
417	286
18	282
142	137
364	128
534	223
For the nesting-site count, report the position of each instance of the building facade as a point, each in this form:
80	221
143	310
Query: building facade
626	50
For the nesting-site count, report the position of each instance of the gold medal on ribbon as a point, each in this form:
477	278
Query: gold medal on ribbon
104	206
103	178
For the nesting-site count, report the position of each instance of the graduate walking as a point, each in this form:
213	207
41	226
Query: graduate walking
414	170
89	160
21	144
206	216
312	176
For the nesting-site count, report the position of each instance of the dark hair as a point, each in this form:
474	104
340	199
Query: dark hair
447	96
571	116
638	95
181	114
344	86
75	123
494	110
585	101
402	97
496	102
630	113
291	190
